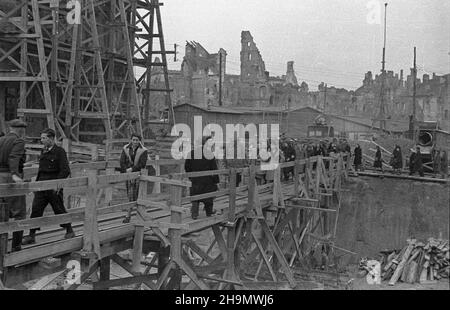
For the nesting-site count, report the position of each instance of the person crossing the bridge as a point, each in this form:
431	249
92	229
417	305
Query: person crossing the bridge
397	159
444	164
53	165
416	163
358	158
133	159
378	163
12	159
204	184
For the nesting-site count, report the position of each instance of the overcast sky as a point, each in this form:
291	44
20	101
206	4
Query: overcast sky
335	41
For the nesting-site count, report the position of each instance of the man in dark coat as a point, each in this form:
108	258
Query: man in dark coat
436	162
204	184
53	165
417	163
358	158
397	159
288	150
12	159
444	164
378	163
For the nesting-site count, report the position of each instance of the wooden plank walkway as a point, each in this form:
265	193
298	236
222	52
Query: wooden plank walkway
51	243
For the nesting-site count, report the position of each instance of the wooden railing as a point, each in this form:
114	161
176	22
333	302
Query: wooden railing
93	182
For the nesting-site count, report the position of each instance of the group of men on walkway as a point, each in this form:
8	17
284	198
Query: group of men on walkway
53	165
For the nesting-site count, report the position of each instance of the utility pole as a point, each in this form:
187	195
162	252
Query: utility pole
325	99
220	78
382	114
414	119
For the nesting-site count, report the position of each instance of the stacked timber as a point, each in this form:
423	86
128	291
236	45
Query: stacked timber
418	262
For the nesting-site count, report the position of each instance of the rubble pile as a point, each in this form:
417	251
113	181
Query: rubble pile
417	262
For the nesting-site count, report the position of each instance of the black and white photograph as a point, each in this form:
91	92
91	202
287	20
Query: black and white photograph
242	148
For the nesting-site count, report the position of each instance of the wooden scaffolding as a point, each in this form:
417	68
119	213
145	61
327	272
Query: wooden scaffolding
76	66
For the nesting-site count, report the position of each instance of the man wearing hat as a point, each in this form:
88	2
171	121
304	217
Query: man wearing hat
53	165
12	159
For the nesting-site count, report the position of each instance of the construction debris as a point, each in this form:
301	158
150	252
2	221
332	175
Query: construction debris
417	262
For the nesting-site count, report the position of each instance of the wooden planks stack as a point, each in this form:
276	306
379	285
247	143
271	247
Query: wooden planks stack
418	262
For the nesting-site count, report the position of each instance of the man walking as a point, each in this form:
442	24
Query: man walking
444	164
53	165
417	163
397	160
358	158
12	159
202	185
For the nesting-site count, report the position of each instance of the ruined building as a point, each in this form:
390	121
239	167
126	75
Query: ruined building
198	83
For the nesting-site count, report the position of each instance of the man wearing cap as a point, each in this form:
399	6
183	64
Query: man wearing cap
53	165
12	159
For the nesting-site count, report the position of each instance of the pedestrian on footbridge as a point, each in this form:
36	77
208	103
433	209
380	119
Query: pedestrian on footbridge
444	164
12	159
53	165
204	184
133	159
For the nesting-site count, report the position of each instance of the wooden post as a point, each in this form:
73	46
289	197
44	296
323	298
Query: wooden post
110	190
157	185
3	239
105	269
231	236
175	234
94	153
137	247
251	188
296	178
91	241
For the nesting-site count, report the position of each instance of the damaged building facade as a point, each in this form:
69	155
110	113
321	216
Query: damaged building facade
198	83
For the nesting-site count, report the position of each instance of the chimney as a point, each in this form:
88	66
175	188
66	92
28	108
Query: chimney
401	75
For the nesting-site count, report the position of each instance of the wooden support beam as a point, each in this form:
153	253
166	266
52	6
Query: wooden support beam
45	281
137	248
278	253
220	241
262	251
125	281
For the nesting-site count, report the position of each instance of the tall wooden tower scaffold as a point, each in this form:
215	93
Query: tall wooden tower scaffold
73	65
146	17
24	58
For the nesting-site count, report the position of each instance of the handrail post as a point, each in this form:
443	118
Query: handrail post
175	234
91	241
296	178
251	188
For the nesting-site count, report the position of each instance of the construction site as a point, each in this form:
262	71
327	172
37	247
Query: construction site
96	73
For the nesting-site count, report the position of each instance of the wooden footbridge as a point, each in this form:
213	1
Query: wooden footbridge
260	231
